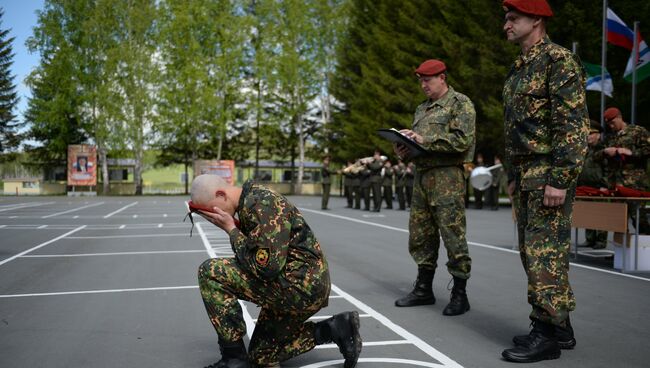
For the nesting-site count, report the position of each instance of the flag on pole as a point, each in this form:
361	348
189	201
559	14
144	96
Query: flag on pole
594	83
641	61
618	33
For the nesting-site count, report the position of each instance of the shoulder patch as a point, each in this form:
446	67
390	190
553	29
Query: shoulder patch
262	256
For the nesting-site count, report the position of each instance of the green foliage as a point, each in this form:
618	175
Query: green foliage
9	139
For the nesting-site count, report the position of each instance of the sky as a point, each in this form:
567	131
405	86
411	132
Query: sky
20	17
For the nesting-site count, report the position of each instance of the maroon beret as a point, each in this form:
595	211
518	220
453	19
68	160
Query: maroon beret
531	7
611	113
431	67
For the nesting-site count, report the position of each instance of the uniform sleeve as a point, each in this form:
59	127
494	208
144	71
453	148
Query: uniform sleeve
263	252
459	136
641	147
569	122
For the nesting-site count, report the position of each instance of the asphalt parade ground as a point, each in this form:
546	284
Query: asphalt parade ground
111	282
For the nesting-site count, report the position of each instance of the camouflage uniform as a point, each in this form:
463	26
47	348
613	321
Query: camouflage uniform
279	266
546	128
448	128
325	173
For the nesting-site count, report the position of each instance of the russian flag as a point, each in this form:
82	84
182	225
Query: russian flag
618	33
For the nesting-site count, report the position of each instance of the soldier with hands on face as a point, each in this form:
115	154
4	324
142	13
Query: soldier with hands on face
278	265
546	128
445	126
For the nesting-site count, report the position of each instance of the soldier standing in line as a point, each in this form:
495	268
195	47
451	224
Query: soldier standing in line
387	184
409	178
356	188
348	178
546	128
445	125
325	173
400	181
278	265
628	153
593	175
365	187
375	167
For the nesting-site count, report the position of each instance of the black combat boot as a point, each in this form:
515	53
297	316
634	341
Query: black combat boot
564	336
233	355
542	345
422	293
458	303
343	330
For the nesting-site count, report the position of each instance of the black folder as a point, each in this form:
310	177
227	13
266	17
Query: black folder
395	136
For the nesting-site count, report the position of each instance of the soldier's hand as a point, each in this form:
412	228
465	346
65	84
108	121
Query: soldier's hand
220	218
553	197
413	135
610	151
400	150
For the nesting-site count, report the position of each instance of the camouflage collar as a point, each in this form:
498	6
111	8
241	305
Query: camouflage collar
533	52
245	189
444	100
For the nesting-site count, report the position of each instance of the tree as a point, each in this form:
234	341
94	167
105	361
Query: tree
9	139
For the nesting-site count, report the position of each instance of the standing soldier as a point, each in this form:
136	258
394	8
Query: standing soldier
278	265
546	126
400	181
356	185
593	175
628	154
365	187
445	125
409	178
375	167
387	184
325	175
348	179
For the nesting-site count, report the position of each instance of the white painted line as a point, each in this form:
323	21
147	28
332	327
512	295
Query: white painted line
478	245
74	209
41	245
75	216
206	243
339	363
1	226
24	205
42	227
127	236
111	254
356	220
100	291
336	297
13	217
135	216
121	209
122	226
164	215
314	318
160	225
428	349
370	343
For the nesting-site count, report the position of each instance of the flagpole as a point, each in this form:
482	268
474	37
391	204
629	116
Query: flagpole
603	59
635	62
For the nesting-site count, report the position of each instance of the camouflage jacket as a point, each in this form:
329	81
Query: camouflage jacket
273	241
546	120
630	171
448	127
593	172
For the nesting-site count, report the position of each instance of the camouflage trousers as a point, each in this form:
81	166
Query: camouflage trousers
281	331
435	215
544	242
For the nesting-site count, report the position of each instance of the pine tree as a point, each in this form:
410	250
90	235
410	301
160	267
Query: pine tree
9	138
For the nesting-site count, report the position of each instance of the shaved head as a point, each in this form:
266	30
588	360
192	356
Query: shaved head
204	188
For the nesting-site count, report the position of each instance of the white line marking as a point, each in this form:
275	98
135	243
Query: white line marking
428	349
164	215
479	245
111	254
135	216
316	318
121	209
42	227
206	243
338	363
13	217
24	205
41	245
75	216
366	343
1	226
160	225
122	226
74	209
100	291
126	236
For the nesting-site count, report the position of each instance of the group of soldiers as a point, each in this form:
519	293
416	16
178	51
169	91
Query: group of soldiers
372	180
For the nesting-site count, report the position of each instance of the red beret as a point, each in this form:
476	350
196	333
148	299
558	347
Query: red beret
611	113
431	67
531	7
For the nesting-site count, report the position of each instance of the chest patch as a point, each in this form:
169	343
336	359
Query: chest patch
262	256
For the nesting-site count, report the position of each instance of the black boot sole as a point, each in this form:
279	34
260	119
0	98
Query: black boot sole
415	302
517	359
564	345
447	313
355	324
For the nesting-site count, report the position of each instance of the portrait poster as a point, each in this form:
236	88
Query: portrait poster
223	168
82	165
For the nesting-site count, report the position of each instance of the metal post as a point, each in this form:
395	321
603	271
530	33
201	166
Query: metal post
635	61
